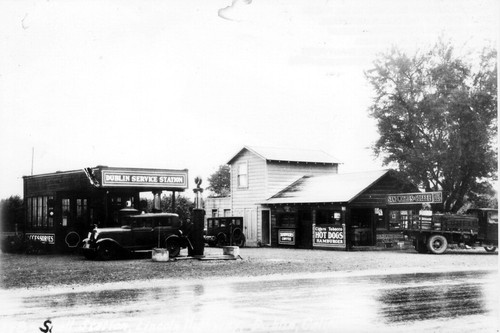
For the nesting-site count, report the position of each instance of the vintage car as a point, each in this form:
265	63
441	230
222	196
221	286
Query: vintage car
139	233
222	231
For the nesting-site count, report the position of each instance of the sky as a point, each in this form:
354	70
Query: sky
188	83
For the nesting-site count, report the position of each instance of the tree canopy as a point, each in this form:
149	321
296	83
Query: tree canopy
220	181
11	213
437	119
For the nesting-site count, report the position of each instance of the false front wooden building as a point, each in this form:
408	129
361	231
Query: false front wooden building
62	207
338	210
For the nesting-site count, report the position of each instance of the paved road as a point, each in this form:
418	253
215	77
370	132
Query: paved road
461	301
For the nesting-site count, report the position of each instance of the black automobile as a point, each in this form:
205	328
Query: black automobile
139	233
223	231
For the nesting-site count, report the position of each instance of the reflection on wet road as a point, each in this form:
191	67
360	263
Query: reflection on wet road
437	302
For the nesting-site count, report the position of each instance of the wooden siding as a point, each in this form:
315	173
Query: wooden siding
375	196
282	174
219	203
51	183
246	201
265	178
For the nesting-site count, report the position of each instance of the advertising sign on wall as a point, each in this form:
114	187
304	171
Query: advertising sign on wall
145	178
286	236
414	198
329	236
44	238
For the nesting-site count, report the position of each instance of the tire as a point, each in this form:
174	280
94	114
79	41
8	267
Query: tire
106	252
173	247
437	244
221	240
238	238
490	249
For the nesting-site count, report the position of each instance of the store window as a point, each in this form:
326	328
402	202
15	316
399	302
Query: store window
37	212
324	216
379	219
401	219
81	210
65	204
287	220
243	175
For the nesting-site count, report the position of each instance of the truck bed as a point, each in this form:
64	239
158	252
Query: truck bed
444	223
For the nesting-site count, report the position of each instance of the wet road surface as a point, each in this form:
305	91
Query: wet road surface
434	302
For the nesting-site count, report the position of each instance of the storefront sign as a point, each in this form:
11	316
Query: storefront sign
160	179
328	236
414	198
44	238
390	237
286	236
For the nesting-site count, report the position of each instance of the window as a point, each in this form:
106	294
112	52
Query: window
214	212
227	212
287	220
243	175
65	212
81	210
328	216
493	217
37	212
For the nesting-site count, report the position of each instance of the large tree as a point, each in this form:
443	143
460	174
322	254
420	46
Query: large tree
220	181
437	119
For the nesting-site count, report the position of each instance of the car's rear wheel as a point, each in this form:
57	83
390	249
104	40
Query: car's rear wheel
238	238
221	240
106	252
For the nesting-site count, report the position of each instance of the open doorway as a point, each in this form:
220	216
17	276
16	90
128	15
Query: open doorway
266	228
362	228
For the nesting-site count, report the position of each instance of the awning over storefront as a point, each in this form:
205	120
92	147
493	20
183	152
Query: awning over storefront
327	188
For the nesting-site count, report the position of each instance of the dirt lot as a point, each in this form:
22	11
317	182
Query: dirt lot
35	271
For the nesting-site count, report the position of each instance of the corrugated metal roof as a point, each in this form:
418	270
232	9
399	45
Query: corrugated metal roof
327	188
290	155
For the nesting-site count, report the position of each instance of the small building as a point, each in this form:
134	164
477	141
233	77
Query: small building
339	211
62	207
297	198
217	207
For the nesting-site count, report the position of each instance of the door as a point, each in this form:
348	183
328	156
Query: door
143	234
266	228
362	227
305	229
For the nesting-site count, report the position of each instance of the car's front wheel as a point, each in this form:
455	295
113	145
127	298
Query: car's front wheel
173	247
106	252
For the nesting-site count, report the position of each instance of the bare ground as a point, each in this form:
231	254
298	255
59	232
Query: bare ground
41	271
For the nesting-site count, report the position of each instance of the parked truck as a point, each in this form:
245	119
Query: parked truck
477	228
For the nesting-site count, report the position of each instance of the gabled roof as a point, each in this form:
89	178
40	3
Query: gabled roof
327	188
289	155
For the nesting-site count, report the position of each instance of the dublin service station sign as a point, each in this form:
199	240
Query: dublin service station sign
121	177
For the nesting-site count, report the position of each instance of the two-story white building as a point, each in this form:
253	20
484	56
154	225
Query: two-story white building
257	173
